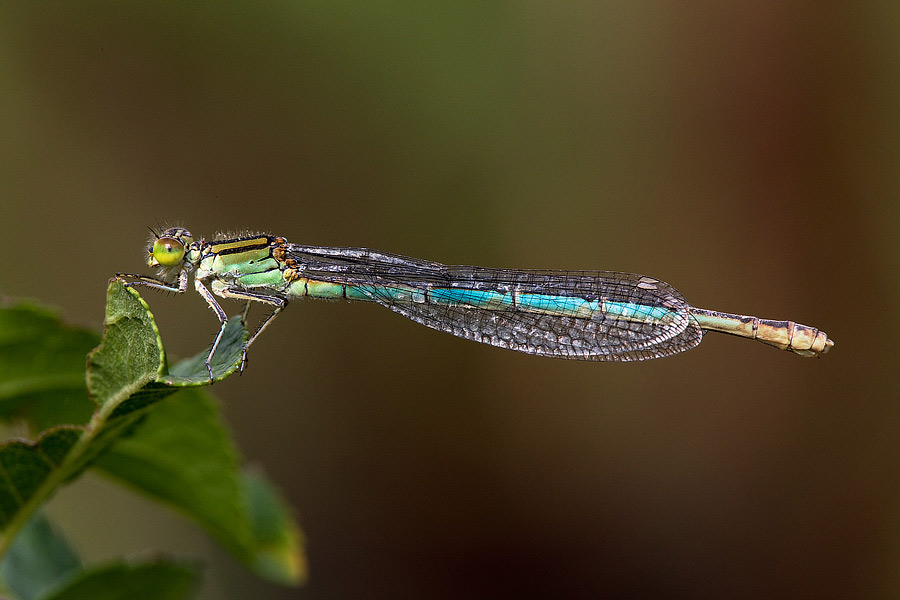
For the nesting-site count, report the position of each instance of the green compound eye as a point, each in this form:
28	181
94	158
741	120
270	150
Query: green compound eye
167	252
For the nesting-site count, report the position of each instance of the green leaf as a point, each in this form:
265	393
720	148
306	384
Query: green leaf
152	580
39	560
126	377
227	360
177	451
131	354
25	467
183	456
278	539
41	564
42	367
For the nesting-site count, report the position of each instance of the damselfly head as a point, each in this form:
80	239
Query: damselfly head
167	249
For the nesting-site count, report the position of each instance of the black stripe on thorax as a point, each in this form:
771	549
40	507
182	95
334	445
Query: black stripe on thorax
237	245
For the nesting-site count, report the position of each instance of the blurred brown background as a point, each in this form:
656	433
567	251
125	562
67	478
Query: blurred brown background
745	152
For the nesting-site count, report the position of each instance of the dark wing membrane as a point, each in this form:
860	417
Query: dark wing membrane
555	336
601	337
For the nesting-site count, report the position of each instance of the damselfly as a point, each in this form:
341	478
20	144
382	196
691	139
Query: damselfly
582	315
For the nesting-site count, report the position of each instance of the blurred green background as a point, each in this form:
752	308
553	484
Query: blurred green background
747	153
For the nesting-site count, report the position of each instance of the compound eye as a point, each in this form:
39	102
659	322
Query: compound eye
167	252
